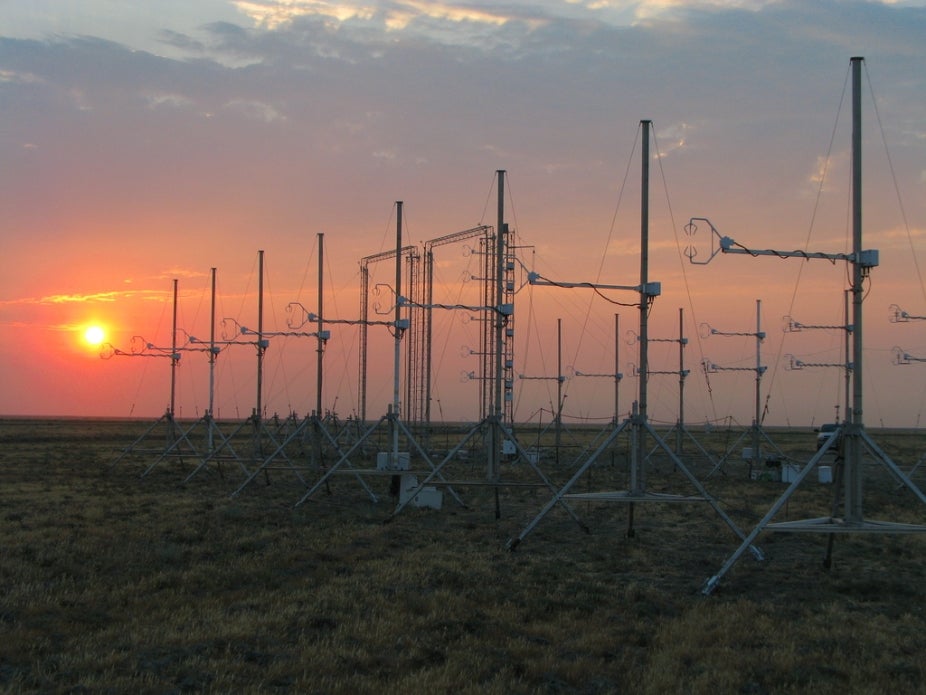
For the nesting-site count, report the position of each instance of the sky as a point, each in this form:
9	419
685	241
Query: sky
150	141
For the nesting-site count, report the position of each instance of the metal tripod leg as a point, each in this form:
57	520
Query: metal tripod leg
561	493
712	583
703	492
344	460
436	470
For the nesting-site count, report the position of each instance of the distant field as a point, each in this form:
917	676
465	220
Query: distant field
114	582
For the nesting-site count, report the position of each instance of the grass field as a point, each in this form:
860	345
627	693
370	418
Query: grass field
117	583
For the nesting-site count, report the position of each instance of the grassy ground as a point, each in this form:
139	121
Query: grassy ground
113	583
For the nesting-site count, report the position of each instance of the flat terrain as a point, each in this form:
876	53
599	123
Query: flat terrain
114	582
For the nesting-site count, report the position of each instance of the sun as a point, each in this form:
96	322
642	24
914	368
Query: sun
94	335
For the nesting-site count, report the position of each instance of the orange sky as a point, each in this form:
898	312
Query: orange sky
129	163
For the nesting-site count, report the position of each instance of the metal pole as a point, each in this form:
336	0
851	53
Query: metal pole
617	367
260	334
636	472
173	355
397	350
756	454
644	271
212	350
364	316
559	385
853	482
848	369
681	381
429	328
320	327
212	355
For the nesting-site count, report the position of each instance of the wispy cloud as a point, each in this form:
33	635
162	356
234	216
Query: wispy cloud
672	138
255	110
179	273
96	297
167	99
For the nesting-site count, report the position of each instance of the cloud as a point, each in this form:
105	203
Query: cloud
396	16
18	77
178	273
672	138
173	100
255	110
109	297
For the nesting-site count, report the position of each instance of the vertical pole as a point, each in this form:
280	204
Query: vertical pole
212	353
848	369
428	331
559	385
681	382
173	356
320	345
364	317
260	335
756	453
853	480
212	356
397	350
617	368
636	472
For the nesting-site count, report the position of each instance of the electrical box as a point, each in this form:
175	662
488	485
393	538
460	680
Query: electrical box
868	258
428	497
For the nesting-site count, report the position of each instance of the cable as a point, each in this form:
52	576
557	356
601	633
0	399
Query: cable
890	163
810	228
678	247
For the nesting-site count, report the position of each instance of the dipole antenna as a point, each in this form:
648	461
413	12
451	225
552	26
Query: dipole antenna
900	357
559	379
792	363
638	425
853	433
681	373
616	375
709	367
143	348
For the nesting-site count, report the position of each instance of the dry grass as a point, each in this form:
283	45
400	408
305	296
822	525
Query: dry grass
114	583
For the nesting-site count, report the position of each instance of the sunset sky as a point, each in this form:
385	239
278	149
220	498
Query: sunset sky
144	141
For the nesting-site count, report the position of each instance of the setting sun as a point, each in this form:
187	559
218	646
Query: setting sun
94	335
